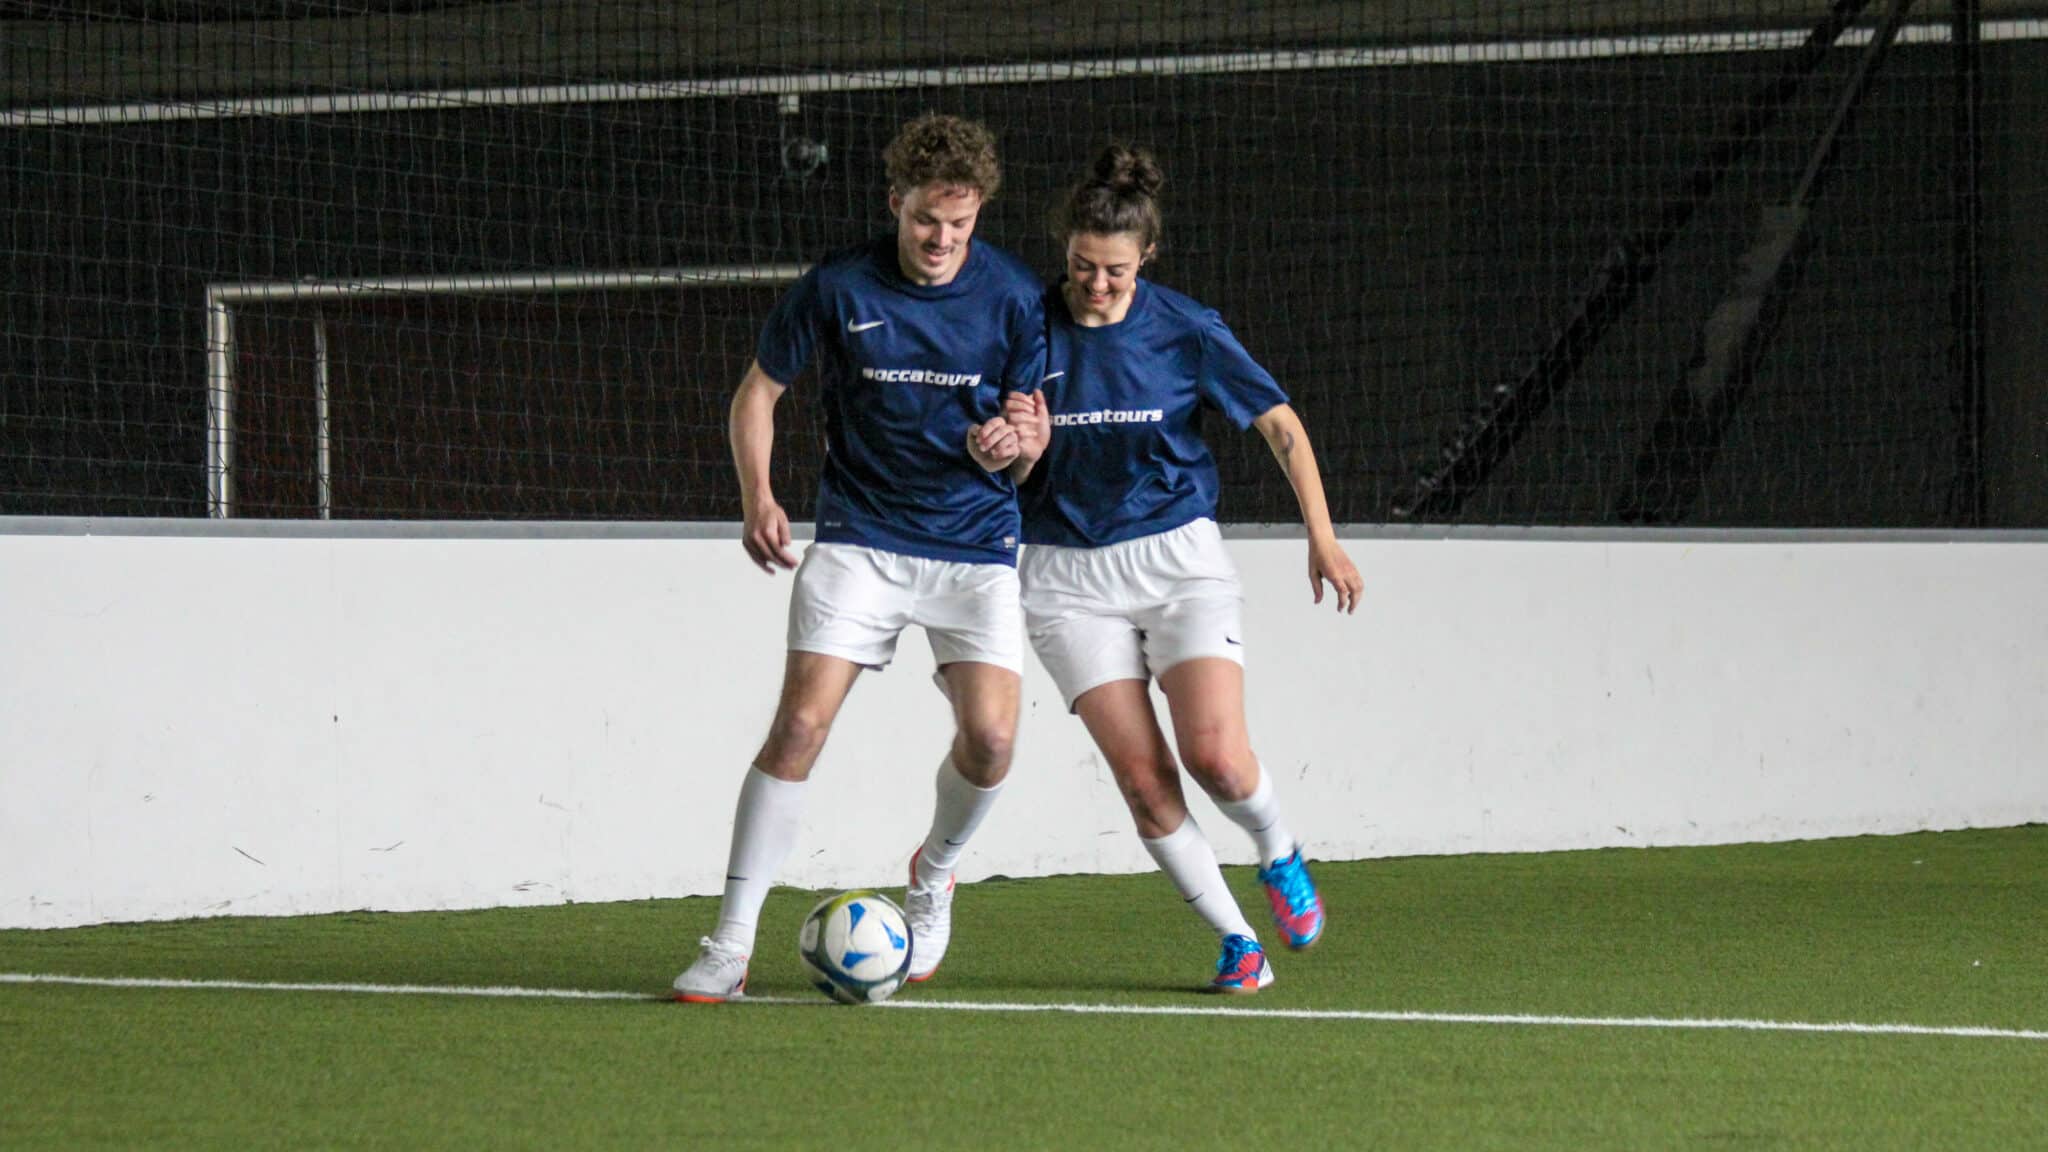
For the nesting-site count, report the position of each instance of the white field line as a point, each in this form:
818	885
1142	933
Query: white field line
1680	1023
1501	1019
293	986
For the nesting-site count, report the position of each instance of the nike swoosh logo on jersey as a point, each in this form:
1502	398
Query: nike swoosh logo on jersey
1233	640
854	327
1051	378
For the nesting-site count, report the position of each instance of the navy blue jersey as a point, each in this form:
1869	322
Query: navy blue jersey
1127	458
904	370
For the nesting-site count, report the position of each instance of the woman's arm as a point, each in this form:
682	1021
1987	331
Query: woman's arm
1326	559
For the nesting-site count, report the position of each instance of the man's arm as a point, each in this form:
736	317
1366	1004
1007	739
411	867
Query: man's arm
765	531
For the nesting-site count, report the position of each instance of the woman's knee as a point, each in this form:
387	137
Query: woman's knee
1151	790
1224	766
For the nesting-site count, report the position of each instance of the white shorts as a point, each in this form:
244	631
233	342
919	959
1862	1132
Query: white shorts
852	602
1132	610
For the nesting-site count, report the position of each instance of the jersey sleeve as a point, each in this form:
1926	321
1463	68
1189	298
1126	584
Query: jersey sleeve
1024	371
1231	381
791	332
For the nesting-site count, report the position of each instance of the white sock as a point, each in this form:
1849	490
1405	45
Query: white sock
763	831
955	815
1187	859
1259	814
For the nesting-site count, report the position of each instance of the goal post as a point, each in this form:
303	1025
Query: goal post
223	300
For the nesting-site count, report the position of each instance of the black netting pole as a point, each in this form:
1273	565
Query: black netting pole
1966	302
1485	440
1686	440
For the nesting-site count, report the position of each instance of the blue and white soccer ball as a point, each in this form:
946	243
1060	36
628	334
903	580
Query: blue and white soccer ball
856	947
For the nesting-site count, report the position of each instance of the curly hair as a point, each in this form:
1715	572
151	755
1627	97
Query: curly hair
941	149
1120	193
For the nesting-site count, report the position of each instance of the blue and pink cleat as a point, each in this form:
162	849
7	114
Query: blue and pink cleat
1296	908
1242	968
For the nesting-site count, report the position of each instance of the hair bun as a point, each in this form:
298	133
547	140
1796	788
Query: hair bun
1129	169
1117	193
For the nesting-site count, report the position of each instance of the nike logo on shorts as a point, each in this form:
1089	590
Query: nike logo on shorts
1051	378
852	326
1233	640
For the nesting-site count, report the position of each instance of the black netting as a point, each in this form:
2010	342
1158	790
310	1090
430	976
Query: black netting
1398	212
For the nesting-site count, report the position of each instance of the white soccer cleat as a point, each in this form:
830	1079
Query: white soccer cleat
930	913
720	974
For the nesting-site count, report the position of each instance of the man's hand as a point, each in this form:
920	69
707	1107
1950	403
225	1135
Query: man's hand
1026	412
765	534
993	444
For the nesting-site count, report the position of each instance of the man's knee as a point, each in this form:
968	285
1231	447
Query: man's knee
794	741
985	746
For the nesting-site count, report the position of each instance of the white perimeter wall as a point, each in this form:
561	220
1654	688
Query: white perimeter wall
223	725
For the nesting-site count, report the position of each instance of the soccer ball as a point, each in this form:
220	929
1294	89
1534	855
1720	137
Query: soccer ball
856	946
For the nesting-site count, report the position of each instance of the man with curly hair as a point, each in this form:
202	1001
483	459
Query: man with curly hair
917	337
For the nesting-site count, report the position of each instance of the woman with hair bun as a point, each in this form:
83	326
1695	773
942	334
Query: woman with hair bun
1125	575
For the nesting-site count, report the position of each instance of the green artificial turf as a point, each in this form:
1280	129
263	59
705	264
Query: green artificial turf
1930	929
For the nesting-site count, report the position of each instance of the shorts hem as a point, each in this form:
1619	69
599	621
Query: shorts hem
1075	698
1235	657
939	665
863	659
